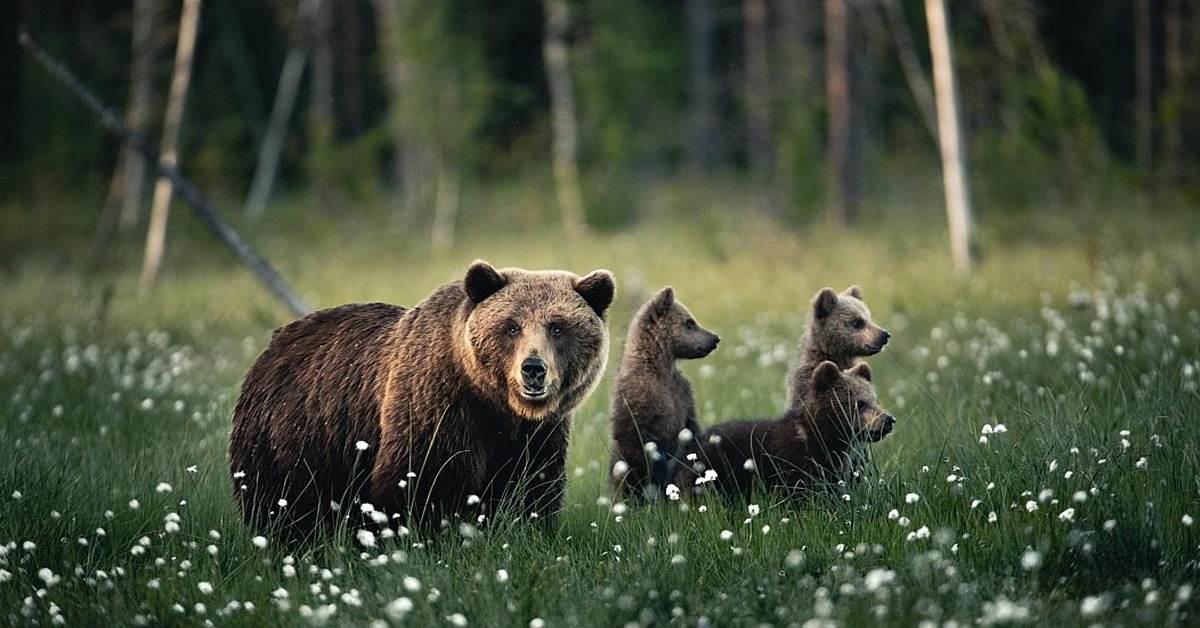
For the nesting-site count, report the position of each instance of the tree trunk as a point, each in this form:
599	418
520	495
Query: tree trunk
562	106
1173	100
910	64
954	165
281	112
1144	81
127	191
146	20
241	66
189	24
322	123
756	86
842	167
351	97
704	143
412	159
445	207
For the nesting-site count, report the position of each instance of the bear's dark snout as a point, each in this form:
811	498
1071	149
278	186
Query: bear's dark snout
533	372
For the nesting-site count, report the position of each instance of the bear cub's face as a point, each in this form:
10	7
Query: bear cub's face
537	340
842	324
671	322
854	401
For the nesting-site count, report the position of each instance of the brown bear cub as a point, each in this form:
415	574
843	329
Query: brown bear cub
448	408
796	454
840	330
651	399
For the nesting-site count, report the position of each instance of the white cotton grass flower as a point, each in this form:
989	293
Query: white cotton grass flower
877	579
726	535
620	468
1031	560
365	538
361	445
398	608
411	584
1002	611
912	498
502	576
1186	520
163	488
1067	515
259	541
457	619
205	587
1093	605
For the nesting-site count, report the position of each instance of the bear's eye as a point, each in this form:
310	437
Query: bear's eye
513	330
858	323
556	330
690	323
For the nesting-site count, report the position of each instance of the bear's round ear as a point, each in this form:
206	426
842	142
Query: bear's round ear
597	288
862	369
664	301
826	375
854	291
482	281
824	303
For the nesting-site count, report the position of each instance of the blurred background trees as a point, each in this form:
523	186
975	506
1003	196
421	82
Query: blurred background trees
810	103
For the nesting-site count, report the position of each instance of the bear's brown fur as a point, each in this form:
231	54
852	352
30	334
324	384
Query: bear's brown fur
414	411
839	330
652	400
797	453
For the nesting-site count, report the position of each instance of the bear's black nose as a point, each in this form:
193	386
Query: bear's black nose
533	371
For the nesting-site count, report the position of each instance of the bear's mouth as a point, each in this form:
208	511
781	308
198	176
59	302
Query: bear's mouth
535	393
878	433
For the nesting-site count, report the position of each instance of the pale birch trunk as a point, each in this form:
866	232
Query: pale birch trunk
562	107
281	112
954	165
189	24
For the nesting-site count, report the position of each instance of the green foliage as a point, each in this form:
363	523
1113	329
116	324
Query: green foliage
116	505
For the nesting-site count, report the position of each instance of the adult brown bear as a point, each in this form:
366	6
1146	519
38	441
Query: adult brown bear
442	410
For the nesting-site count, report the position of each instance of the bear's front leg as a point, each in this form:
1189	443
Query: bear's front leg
543	471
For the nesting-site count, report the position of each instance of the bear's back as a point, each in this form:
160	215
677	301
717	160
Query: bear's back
295	428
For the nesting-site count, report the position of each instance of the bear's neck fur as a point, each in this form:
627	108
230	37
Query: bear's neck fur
648	348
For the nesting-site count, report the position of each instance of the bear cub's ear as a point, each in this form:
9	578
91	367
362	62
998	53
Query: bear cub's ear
664	301
826	375
482	281
824	303
597	288
854	291
861	370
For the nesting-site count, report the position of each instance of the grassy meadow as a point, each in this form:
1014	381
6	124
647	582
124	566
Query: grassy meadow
1045	468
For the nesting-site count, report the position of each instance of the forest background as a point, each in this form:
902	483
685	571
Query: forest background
405	108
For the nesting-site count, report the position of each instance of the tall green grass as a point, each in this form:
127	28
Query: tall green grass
1044	467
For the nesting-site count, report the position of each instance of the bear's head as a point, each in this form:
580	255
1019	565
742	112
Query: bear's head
848	403
536	341
842	326
667	322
